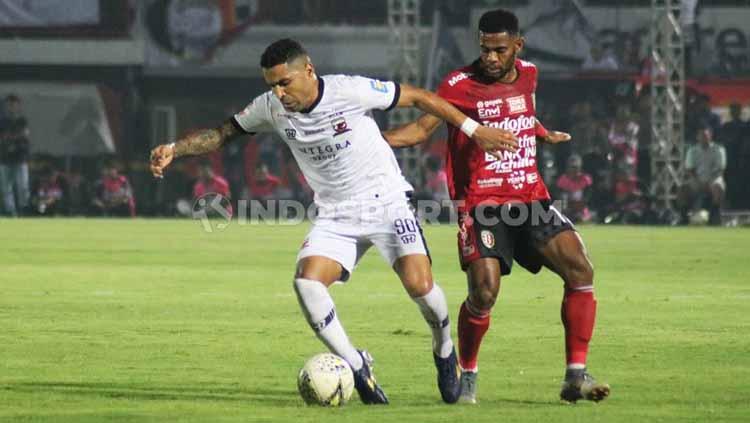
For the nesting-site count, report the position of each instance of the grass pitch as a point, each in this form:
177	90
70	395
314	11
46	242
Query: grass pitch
155	320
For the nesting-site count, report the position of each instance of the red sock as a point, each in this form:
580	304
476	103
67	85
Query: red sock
578	315
471	329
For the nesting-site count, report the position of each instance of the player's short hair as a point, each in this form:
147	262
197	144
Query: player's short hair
499	21
281	51
12	98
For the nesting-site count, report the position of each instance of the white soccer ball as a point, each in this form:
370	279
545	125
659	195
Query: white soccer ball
699	217
327	380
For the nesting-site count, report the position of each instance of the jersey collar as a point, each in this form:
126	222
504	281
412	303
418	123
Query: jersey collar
321	88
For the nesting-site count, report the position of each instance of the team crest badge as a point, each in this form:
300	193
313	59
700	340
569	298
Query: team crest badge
488	239
340	126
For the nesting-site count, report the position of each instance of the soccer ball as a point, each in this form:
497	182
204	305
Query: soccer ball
699	217
327	380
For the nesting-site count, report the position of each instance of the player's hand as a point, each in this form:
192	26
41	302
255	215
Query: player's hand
161	157
495	140
554	137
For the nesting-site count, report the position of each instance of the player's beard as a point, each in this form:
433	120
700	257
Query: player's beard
496	76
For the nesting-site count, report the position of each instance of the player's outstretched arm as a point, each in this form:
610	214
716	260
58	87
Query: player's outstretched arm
489	139
412	133
550	136
201	142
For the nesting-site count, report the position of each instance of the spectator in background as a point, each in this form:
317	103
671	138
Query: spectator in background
629	53
14	156
599	59
264	185
623	139
734	134
643	113
210	184
48	194
705	164
78	193
233	158
436	181
627	205
573	186
699	114
114	196
590	137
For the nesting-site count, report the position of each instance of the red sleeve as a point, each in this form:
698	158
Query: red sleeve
541	131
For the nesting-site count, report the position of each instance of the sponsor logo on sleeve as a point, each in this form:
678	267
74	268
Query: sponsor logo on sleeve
291	133
458	78
379	86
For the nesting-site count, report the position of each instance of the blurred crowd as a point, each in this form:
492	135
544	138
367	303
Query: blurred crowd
603	175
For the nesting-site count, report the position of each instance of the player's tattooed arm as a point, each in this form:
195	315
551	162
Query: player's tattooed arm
412	133
205	141
201	142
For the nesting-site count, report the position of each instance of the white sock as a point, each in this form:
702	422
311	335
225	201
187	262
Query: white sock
320	312
576	366
435	311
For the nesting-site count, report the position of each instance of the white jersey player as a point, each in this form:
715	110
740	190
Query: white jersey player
359	189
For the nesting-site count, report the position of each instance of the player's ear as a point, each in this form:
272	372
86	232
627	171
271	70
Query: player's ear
520	42
309	67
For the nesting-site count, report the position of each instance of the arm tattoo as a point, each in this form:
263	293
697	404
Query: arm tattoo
205	141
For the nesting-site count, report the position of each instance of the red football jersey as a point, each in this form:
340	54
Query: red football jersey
475	176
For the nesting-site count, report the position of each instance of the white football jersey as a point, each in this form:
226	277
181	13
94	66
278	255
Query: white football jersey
336	142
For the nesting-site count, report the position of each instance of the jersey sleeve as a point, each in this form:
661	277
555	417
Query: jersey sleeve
256	117
373	93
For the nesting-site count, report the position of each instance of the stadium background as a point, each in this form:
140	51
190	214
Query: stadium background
103	82
162	318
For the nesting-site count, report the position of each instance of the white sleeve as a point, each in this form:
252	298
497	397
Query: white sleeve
256	117
374	94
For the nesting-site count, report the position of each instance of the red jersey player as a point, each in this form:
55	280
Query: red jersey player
504	207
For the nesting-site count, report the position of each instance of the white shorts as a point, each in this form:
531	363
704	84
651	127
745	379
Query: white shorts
344	234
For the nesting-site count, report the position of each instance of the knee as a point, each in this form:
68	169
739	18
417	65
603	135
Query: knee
419	287
484	294
579	271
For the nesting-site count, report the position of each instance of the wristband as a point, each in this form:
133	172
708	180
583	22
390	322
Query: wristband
469	126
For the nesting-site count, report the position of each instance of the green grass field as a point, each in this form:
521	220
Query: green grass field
155	320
